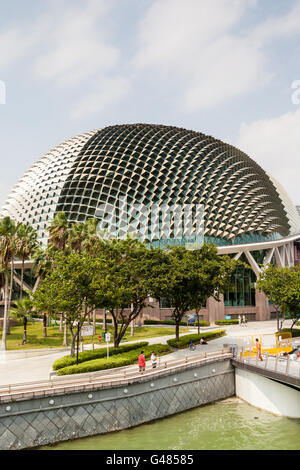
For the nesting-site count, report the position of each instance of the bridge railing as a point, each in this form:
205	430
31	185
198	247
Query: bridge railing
106	378
284	364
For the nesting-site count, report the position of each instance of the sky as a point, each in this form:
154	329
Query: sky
227	68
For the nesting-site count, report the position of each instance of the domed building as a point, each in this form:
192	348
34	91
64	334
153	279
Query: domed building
245	212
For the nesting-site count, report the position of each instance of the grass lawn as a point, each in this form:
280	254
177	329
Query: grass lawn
35	339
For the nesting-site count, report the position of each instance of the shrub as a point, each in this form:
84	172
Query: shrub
118	360
226	322
295	331
185	340
96	354
171	322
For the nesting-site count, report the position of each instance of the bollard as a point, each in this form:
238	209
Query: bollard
267	356
287	365
276	362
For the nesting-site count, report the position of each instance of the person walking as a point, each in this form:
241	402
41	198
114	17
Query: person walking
258	349
244	320
191	345
142	362
239	319
153	360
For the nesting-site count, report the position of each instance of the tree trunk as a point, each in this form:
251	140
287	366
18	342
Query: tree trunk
61	323
22	280
5	315
197	313
177	329
45	325
94	321
10	296
25	330
104	321
73	338
132	323
65	343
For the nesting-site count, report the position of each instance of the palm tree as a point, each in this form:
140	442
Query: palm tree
26	244
59	232
22	310
43	259
91	236
7	232
77	235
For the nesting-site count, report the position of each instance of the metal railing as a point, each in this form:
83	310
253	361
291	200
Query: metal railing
106	379
282	364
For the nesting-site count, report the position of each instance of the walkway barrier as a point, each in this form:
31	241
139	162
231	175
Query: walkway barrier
283	364
106	378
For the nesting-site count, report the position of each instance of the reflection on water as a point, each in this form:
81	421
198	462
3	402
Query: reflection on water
227	425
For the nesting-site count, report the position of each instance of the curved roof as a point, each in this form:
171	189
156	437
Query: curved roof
155	164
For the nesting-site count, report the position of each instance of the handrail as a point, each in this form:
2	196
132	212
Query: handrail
91	380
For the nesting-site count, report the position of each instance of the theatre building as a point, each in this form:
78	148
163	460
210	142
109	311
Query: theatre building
246	213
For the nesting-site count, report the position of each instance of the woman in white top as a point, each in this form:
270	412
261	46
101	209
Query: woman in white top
153	360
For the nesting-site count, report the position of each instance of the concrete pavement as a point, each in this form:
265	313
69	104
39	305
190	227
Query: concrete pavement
29	369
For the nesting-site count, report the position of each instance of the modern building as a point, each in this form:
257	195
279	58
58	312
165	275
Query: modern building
246	212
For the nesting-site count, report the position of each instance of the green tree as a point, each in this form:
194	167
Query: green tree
124	281
26	244
7	250
187	278
282	287
59	232
22	311
68	289
210	275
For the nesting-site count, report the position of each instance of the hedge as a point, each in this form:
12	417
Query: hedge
227	322
172	322
84	356
118	360
295	331
185	340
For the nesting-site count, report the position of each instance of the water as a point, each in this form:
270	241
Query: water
227	425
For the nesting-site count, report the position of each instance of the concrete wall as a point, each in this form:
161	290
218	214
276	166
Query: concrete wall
267	394
42	421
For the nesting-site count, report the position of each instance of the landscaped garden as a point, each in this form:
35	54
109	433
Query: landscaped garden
54	337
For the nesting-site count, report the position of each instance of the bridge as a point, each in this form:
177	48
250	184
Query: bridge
272	384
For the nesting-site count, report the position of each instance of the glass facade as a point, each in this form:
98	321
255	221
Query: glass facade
242	293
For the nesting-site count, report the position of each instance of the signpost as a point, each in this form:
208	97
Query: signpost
88	330
107	339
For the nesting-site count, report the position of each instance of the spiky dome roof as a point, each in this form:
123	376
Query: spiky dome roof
154	163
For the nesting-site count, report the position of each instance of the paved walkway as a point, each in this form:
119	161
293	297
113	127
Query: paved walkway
30	369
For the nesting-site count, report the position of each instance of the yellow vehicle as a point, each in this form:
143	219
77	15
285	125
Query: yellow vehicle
274	343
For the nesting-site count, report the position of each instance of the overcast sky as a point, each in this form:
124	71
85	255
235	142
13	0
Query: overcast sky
227	68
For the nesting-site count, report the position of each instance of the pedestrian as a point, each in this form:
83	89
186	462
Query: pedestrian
153	360
244	320
239	319
258	349
142	362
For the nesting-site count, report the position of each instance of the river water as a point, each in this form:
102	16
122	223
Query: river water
230	424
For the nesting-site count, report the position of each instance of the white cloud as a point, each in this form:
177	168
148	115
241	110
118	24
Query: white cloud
275	145
77	47
16	43
201	47
109	92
